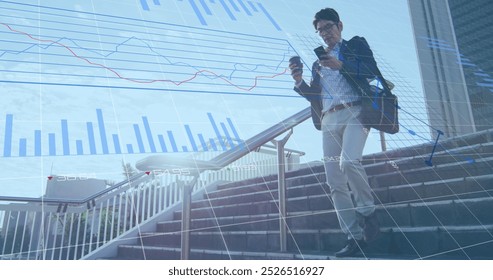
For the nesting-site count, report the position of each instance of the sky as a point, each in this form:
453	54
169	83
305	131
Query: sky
169	66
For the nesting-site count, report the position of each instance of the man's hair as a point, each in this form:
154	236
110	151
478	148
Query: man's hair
327	14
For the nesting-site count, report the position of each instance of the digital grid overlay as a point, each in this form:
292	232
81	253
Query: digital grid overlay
129	63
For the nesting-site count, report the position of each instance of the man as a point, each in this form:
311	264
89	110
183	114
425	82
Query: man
338	80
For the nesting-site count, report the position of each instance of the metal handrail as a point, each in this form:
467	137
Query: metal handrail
239	141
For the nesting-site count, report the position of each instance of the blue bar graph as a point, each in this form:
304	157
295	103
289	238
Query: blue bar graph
52	144
172	140
235	133
242	4
190	137
223	134
22	147
139	138
37	143
149	134
144	5
233	4
206	8
228	11
130	149
228	137
252	6
269	16
116	142
216	130
78	145
202	142
213	144
197	12
65	143
7	148
90	135
202	9
102	131
161	142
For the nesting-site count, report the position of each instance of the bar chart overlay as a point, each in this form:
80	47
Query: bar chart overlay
101	141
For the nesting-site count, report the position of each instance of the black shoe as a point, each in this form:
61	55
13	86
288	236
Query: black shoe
371	228
352	248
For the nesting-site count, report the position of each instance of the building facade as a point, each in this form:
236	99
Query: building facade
473	27
453	42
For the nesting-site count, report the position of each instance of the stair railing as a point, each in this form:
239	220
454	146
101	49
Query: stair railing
53	228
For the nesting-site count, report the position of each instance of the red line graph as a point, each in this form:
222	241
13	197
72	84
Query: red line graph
145	81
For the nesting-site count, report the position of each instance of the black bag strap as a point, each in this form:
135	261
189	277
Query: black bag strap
385	83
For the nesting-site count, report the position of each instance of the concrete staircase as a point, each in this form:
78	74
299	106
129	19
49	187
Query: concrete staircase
439	212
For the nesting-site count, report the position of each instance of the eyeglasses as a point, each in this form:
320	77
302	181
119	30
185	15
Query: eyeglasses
326	28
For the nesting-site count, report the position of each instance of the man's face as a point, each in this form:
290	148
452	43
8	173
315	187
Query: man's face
329	31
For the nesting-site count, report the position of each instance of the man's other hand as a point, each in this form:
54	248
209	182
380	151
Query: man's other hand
296	72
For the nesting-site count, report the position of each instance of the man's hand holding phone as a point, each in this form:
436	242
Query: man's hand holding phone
325	60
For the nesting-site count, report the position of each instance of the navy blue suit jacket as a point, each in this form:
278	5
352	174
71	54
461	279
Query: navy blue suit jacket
358	65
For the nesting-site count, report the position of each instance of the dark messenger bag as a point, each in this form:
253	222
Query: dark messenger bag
380	107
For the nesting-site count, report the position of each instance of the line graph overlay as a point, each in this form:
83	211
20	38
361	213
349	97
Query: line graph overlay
191	58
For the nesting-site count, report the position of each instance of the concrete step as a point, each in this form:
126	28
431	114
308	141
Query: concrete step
135	252
307	203
228	189
438	172
316	167
222	191
249	182
469	187
237	223
459	212
250	195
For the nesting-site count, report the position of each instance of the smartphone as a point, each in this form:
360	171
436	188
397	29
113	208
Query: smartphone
320	52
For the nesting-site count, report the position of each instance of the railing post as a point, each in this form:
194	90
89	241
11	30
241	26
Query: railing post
186	212
281	165
382	141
